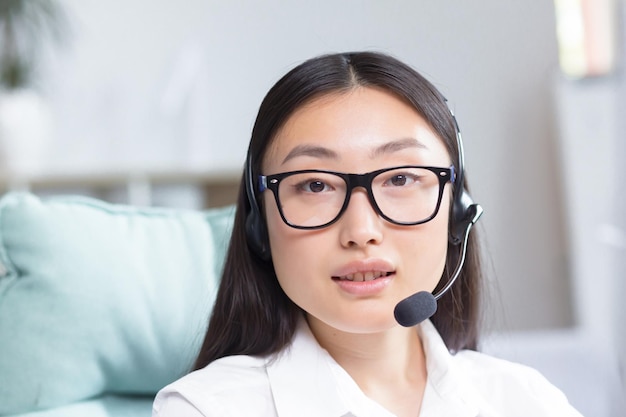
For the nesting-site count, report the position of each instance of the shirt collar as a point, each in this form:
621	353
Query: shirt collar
302	381
306	381
448	392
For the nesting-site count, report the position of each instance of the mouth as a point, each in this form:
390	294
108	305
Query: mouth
363	276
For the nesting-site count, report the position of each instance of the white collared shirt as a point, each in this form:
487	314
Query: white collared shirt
306	381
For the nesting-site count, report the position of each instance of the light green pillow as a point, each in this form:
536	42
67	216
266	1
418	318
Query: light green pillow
98	298
106	406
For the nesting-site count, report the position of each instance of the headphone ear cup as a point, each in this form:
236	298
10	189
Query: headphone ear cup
256	231
461	217
256	234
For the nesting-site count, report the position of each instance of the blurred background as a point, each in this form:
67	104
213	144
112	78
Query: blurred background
151	102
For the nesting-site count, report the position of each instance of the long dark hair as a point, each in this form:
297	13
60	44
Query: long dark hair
252	315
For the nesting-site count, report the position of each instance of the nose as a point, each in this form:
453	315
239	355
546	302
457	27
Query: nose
360	224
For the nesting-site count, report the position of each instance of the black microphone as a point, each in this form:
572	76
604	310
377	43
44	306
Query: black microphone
415	309
422	305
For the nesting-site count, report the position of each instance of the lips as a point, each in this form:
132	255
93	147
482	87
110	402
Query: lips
364	270
363	276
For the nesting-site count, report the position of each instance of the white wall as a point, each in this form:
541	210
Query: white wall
620	254
493	59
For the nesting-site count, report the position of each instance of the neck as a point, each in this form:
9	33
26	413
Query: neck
388	366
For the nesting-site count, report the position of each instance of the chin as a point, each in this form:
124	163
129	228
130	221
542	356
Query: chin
365	323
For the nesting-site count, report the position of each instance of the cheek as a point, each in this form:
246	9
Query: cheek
442	225
429	247
288	250
279	233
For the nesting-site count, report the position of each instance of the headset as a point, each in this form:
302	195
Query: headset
256	229
463	206
463	211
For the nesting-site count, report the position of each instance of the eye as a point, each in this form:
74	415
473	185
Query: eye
398	180
313	186
401	180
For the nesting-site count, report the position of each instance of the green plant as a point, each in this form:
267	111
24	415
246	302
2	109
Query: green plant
25	25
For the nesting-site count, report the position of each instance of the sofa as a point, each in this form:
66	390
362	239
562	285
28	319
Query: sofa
101	305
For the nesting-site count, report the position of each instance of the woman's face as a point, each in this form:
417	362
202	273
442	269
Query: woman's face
328	272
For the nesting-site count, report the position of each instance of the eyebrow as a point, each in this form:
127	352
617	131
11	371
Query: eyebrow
397	146
311	150
325	153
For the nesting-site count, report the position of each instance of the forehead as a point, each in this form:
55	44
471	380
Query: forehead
352	125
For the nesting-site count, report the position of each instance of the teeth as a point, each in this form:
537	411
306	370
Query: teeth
363	276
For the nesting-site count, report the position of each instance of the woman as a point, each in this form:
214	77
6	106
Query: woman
352	201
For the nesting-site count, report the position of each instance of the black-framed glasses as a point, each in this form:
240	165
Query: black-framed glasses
313	199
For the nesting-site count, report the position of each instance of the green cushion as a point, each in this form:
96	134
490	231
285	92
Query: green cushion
108	406
98	298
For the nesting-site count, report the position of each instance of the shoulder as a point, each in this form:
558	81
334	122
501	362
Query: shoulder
235	385
479	364
505	385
